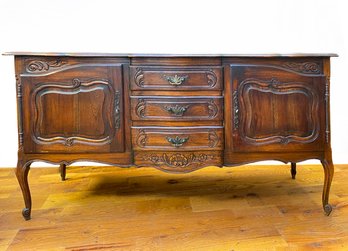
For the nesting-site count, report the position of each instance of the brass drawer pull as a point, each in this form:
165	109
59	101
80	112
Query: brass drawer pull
177	110
176	80
177	141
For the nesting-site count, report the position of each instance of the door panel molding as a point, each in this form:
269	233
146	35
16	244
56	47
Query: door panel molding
274	110
74	88
275	87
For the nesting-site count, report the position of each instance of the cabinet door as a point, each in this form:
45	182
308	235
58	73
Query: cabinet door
276	110
76	109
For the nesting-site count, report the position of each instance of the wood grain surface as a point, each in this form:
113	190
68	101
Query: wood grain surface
239	208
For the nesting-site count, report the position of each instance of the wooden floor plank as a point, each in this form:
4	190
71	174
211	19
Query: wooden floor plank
240	208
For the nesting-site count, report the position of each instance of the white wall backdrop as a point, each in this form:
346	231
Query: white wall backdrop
180	26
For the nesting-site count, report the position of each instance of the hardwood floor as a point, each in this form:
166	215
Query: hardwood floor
240	208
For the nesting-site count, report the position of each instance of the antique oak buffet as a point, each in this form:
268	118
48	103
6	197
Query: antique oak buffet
177	113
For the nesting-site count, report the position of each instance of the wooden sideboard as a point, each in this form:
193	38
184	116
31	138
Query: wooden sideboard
177	113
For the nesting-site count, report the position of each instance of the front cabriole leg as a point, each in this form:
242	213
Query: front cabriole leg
22	177
328	172
62	170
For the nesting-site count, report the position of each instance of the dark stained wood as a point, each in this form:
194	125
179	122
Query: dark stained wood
133	55
177	113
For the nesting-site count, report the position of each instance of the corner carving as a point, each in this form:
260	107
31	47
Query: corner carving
304	67
43	65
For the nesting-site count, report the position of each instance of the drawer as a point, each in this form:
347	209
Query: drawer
176	108
176	78
178	138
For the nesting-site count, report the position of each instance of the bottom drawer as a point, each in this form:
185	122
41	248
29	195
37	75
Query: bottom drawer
178	161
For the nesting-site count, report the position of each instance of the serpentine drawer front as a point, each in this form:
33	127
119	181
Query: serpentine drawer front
177	113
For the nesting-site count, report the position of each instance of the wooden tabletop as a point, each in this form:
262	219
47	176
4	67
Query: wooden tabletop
130	55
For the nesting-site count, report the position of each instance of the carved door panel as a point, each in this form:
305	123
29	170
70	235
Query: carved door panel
274	109
74	109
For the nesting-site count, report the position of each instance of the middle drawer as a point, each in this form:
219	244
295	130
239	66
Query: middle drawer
176	108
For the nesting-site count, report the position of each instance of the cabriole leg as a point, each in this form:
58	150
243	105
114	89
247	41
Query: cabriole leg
62	170
293	170
22	177
328	172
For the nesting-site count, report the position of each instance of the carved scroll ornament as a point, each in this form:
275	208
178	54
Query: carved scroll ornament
304	67
43	65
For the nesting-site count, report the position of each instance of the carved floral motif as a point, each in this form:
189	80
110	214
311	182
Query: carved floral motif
178	160
42	65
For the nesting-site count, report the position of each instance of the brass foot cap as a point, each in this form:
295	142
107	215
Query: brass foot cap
327	209
26	213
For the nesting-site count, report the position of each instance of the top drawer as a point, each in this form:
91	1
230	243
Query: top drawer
176	78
